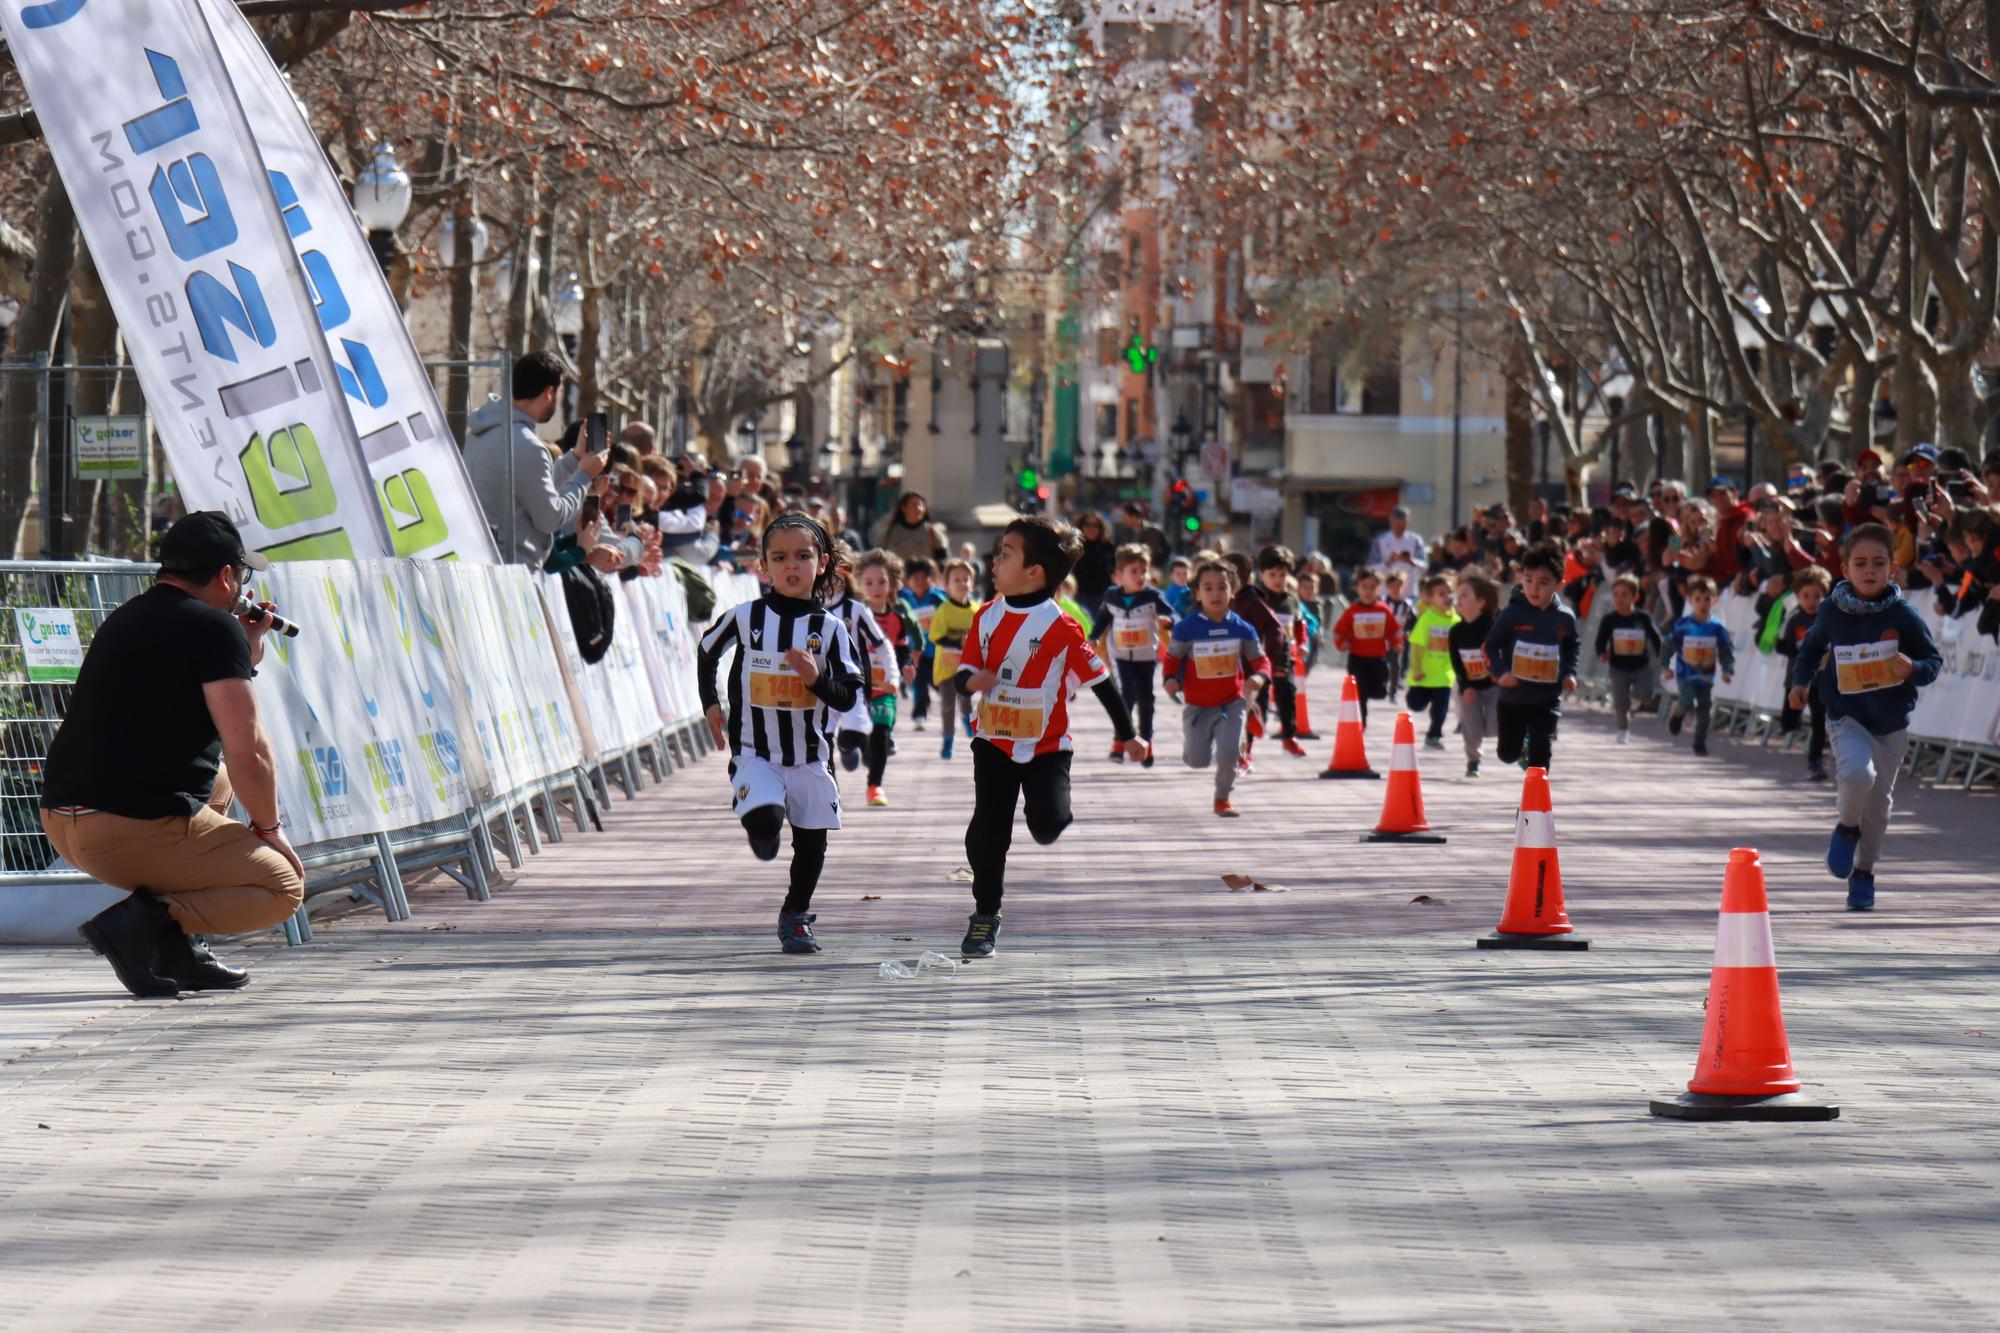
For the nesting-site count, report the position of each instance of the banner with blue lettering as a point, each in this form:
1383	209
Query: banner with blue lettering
419	474
173	199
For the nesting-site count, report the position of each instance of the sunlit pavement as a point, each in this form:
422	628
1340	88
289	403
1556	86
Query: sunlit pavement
605	1100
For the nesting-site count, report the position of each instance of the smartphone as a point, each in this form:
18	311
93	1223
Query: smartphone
592	509
598	426
624	513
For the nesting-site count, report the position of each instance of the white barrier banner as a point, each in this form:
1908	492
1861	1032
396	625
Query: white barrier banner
419	476
615	694
172	198
1963	705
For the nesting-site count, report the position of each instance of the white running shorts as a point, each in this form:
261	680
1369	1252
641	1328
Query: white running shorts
807	791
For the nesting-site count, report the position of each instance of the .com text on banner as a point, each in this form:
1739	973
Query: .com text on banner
172	198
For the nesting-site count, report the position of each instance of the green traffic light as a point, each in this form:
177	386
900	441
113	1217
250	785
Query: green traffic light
1193	523
1029	480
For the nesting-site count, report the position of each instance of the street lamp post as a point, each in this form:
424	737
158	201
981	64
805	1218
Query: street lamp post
382	198
1182	435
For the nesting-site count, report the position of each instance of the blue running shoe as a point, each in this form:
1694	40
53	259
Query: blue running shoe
1840	850
850	757
1861	891
982	936
967	719
795	932
944	751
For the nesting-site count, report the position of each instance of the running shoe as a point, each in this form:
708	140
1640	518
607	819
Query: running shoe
1147	762
1433	742
917	722
1623	737
875	796
1117	753
1861	891
1243	765
1840	850
982	935
944	750
1225	809
967	721
1674	721
795	932
1817	773
1472	769
850	757
1293	748
1701	749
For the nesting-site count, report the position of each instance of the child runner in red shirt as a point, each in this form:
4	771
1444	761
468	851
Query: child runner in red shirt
1023	658
1368	631
878	577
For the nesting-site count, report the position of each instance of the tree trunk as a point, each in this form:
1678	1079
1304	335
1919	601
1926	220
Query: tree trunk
458	379
541	332
589	365
34	332
1916	401
94	336
1861	413
1520	410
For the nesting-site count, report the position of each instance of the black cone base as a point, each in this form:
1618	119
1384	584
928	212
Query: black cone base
1350	773
1379	836
1701	1106
1558	943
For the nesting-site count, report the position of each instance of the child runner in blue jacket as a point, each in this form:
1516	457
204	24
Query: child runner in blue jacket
1881	655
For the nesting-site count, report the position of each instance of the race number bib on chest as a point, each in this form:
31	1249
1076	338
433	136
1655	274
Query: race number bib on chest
1371	624
1859	668
1699	654
1215	659
1132	633
1537	663
1628	643
1010	714
1474	662
924	614
1439	638
773	683
948	658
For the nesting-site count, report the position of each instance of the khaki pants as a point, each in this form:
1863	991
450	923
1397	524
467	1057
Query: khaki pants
214	874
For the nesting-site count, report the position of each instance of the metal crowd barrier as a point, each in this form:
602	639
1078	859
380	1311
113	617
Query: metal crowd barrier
467	848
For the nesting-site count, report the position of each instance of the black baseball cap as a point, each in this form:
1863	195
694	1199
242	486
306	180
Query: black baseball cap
205	540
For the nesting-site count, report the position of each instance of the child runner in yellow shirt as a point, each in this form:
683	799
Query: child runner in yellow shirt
1430	678
949	624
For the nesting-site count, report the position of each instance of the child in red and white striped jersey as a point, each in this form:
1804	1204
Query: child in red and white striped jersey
1023	658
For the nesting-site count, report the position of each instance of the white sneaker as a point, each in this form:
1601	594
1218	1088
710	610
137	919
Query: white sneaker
1624	737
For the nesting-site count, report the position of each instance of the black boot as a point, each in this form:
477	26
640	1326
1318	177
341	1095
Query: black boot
127	935
185	958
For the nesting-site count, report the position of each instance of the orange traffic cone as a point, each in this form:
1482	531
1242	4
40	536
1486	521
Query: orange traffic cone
1350	750
1744	1070
1534	917
1301	713
1403	802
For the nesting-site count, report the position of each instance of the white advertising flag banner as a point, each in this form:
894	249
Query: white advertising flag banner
172	197
418	473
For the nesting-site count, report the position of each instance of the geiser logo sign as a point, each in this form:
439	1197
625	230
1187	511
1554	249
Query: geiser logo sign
243	309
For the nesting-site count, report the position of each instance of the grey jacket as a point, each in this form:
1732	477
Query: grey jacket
547	493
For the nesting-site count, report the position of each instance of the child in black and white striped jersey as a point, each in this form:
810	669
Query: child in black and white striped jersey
795	672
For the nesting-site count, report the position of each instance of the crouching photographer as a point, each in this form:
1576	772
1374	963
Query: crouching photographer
133	791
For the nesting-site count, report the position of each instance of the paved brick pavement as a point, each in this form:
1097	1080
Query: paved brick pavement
605	1101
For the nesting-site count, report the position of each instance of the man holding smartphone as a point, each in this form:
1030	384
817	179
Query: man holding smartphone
546	493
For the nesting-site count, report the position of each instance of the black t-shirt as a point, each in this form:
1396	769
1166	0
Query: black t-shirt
137	739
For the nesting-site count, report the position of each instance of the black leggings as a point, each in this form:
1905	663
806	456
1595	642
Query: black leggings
1437	698
764	824
1371	679
1135	683
877	753
998	783
1532	726
920	691
1788	721
1286	694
